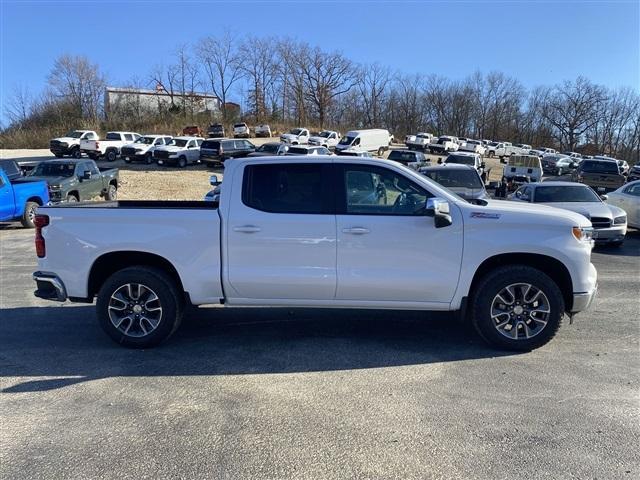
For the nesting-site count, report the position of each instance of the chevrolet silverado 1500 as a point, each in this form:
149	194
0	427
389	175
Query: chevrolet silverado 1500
19	197
320	232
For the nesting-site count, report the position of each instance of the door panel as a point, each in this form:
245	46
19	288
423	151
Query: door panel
388	250
7	203
279	243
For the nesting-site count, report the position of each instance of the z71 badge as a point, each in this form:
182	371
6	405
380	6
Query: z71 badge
494	216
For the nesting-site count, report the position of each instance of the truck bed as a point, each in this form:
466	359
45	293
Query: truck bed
144	204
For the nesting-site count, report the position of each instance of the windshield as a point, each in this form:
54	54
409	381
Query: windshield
461	159
403	156
599	167
268	148
298	150
325	134
74	134
347	140
145	140
239	125
442	140
474	142
493	144
46	169
455	178
178	142
564	193
296	131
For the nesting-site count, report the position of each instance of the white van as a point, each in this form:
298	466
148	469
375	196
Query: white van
372	140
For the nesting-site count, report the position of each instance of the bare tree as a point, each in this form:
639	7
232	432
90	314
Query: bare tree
165	81
20	105
325	76
372	82
78	82
221	66
259	66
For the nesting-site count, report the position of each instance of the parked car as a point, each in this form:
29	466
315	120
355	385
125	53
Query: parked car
326	138
558	164
109	147
503	150
296	136
468	158
77	180
601	175
537	153
462	180
181	151
241	130
474	146
408	157
70	143
548	151
523	147
370	140
269	150
420	141
634	173
20	199
609	222
444	144
307	150
217	152
142	149
192	131
627	198
215	130
263	130
297	231
574	155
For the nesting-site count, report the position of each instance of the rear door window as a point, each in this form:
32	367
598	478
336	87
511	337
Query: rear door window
288	188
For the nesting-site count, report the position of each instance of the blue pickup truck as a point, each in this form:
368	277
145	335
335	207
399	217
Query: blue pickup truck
19	196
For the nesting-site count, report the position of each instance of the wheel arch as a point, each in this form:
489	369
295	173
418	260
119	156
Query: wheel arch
553	267
109	263
35	199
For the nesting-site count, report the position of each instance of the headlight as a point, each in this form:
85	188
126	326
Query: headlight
621	220
583	234
54	187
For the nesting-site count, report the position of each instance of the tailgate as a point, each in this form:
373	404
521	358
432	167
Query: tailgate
603	180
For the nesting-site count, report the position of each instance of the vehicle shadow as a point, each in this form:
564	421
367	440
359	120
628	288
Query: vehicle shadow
630	247
67	343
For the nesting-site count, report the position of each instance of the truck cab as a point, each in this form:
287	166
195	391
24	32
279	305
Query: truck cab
20	197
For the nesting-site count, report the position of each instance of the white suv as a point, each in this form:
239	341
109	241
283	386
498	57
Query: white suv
241	130
181	151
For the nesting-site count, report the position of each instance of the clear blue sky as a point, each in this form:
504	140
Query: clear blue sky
538	42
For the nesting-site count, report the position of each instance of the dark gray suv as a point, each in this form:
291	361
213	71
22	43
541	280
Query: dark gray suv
216	152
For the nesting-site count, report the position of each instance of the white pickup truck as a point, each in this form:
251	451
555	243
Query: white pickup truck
296	136
326	232
108	148
503	149
70	143
326	138
419	141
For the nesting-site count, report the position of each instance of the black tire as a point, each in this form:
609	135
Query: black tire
112	193
486	293
381	151
111	156
58	155
148	158
169	300
72	198
29	215
617	244
182	161
491	154
75	153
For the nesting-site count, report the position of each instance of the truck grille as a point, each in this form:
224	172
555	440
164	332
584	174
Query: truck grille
161	154
600	222
127	151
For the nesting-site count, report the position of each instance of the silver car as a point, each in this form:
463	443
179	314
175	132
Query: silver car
609	222
627	197
463	180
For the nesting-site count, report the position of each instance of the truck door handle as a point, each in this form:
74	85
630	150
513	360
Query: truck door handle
356	230
247	229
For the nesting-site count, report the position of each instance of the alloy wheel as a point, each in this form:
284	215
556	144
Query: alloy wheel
135	310
520	311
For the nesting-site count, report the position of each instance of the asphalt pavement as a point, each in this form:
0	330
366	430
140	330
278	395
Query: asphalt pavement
279	393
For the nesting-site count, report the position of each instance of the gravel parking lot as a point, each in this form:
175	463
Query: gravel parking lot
275	393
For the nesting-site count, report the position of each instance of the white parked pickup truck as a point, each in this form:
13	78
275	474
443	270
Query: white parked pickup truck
503	150
109	147
319	232
326	138
296	136
419	141
70	143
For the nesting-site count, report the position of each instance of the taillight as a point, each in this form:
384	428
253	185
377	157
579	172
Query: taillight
40	221
97	144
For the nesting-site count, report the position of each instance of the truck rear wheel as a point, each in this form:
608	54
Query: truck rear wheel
139	307
111	155
112	193
381	151
517	307
29	215
75	153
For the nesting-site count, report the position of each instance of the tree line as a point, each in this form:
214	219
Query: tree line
291	83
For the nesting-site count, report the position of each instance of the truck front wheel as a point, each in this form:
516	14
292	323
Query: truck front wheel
112	193
139	307
75	153
517	307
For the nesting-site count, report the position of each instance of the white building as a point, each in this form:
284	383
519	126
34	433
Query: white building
158	99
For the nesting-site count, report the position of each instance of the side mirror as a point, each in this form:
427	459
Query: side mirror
438	208
604	197
483	165
213	181
86	175
439	161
